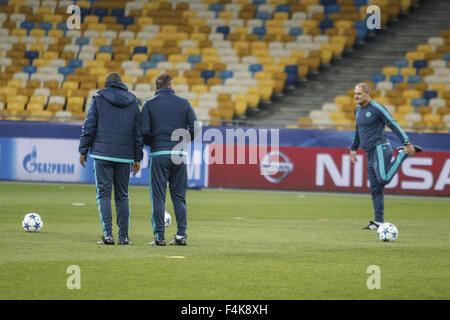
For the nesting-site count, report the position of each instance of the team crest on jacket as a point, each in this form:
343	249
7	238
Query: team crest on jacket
368	114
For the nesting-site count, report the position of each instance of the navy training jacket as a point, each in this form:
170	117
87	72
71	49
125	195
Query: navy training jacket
370	123
111	130
162	115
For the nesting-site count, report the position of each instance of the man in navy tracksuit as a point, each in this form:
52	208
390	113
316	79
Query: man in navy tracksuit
111	132
161	116
371	119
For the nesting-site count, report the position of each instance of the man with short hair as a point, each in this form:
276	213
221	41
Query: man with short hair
371	119
111	132
161	116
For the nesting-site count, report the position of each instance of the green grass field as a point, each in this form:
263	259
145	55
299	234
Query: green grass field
242	245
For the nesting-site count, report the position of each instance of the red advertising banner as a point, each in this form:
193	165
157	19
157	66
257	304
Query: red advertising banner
323	169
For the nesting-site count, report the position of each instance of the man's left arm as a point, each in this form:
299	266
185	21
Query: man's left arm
394	126
88	132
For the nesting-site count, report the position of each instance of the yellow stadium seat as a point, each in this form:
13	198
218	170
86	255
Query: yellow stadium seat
405	109
39	115
240	107
412	94
408	71
38	99
14	84
15	106
103	56
140	57
415	56
38	33
389	71
199	88
33	106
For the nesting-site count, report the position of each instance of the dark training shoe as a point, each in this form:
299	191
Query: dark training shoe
158	243
372	226
106	241
178	241
125	241
416	148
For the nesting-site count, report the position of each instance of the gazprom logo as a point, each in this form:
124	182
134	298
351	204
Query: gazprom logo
32	166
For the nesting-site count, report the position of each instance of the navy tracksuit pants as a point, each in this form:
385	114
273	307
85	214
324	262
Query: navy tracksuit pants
110	174
381	170
163	170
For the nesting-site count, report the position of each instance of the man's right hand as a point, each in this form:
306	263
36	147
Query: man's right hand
135	167
353	158
83	159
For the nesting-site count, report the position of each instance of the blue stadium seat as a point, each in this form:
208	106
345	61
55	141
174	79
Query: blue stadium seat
418	102
328	10
224	75
45	26
325	24
378	77
225	30
117	12
396	78
62	26
148	65
100	13
125	21
419	64
28	25
359	3
261	31
194	58
84	12
258	2
429	94
328	2
283	8
361	31
30	70
106	49
295	31
414	79
31	55
75	63
216	7
256	67
446	56
401	63
206	74
66	71
82	41
140	49
157	57
292	72
263	15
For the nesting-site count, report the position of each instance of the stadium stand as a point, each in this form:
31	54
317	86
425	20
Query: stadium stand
228	58
415	90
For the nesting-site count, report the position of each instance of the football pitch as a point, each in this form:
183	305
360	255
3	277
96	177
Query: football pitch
242	245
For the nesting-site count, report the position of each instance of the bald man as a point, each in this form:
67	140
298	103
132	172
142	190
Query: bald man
371	120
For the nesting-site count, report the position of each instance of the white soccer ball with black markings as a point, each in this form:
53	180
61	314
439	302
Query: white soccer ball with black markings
167	219
387	232
32	222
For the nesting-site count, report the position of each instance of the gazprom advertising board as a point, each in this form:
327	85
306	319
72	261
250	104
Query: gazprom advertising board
55	158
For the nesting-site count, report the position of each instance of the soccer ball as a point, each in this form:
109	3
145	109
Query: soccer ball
387	232
167	218
32	222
